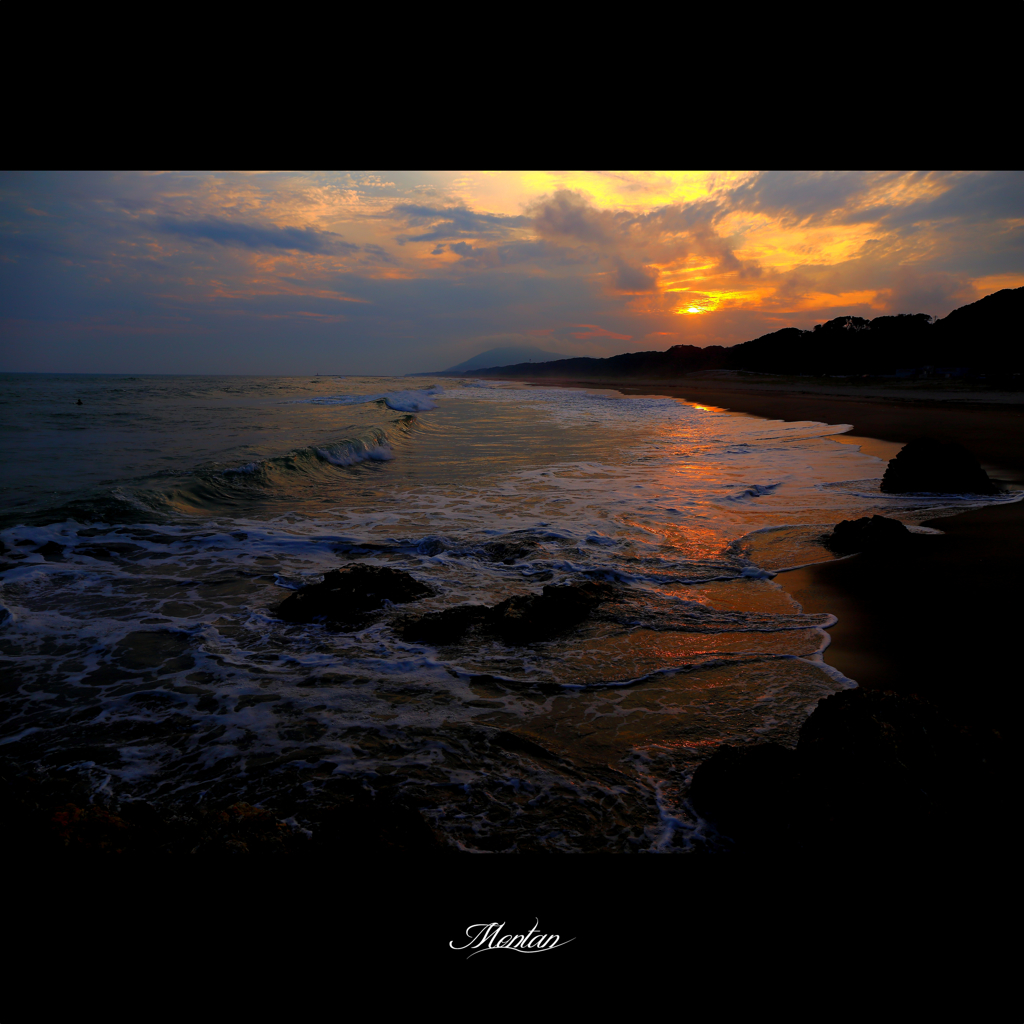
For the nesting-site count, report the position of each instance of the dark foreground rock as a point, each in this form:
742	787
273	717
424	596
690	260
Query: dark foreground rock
937	467
517	620
870	533
873	771
348	595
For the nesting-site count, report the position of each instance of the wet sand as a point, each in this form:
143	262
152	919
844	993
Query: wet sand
941	619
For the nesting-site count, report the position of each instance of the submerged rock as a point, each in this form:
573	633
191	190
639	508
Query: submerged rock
865	534
51	551
507	551
928	466
520	619
349	594
527	617
444	627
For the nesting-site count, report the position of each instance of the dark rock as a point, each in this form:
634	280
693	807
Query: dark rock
872	770
936	467
446	626
519	619
879	757
748	792
348	595
51	551
432	546
528	617
508	552
865	534
884	771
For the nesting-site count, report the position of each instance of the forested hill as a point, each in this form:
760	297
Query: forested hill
981	338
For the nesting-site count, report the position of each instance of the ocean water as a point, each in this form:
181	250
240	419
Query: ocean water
150	532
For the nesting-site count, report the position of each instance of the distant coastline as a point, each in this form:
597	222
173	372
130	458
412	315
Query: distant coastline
978	342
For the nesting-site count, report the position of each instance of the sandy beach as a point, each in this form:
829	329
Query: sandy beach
938	620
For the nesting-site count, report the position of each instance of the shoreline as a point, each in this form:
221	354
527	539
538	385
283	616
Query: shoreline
990	425
931	622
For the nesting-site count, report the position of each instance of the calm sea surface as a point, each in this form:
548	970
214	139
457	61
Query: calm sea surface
149	533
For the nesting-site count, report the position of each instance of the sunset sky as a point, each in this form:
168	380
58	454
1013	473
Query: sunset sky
398	272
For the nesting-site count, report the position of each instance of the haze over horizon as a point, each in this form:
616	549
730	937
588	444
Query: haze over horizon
404	272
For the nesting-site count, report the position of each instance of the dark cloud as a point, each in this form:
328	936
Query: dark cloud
512	253
568	214
375	254
631	240
571	215
797	195
452	222
634	279
891	199
910	291
980	197
256	236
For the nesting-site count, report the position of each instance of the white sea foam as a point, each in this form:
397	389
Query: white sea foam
410	401
353	455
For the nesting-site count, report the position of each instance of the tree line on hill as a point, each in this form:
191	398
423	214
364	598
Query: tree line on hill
980	339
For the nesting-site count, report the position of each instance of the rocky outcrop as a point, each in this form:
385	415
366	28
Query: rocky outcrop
521	619
870	533
938	467
51	551
444	627
528	617
348	595
871	770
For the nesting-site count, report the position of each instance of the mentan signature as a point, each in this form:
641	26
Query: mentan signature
485	937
